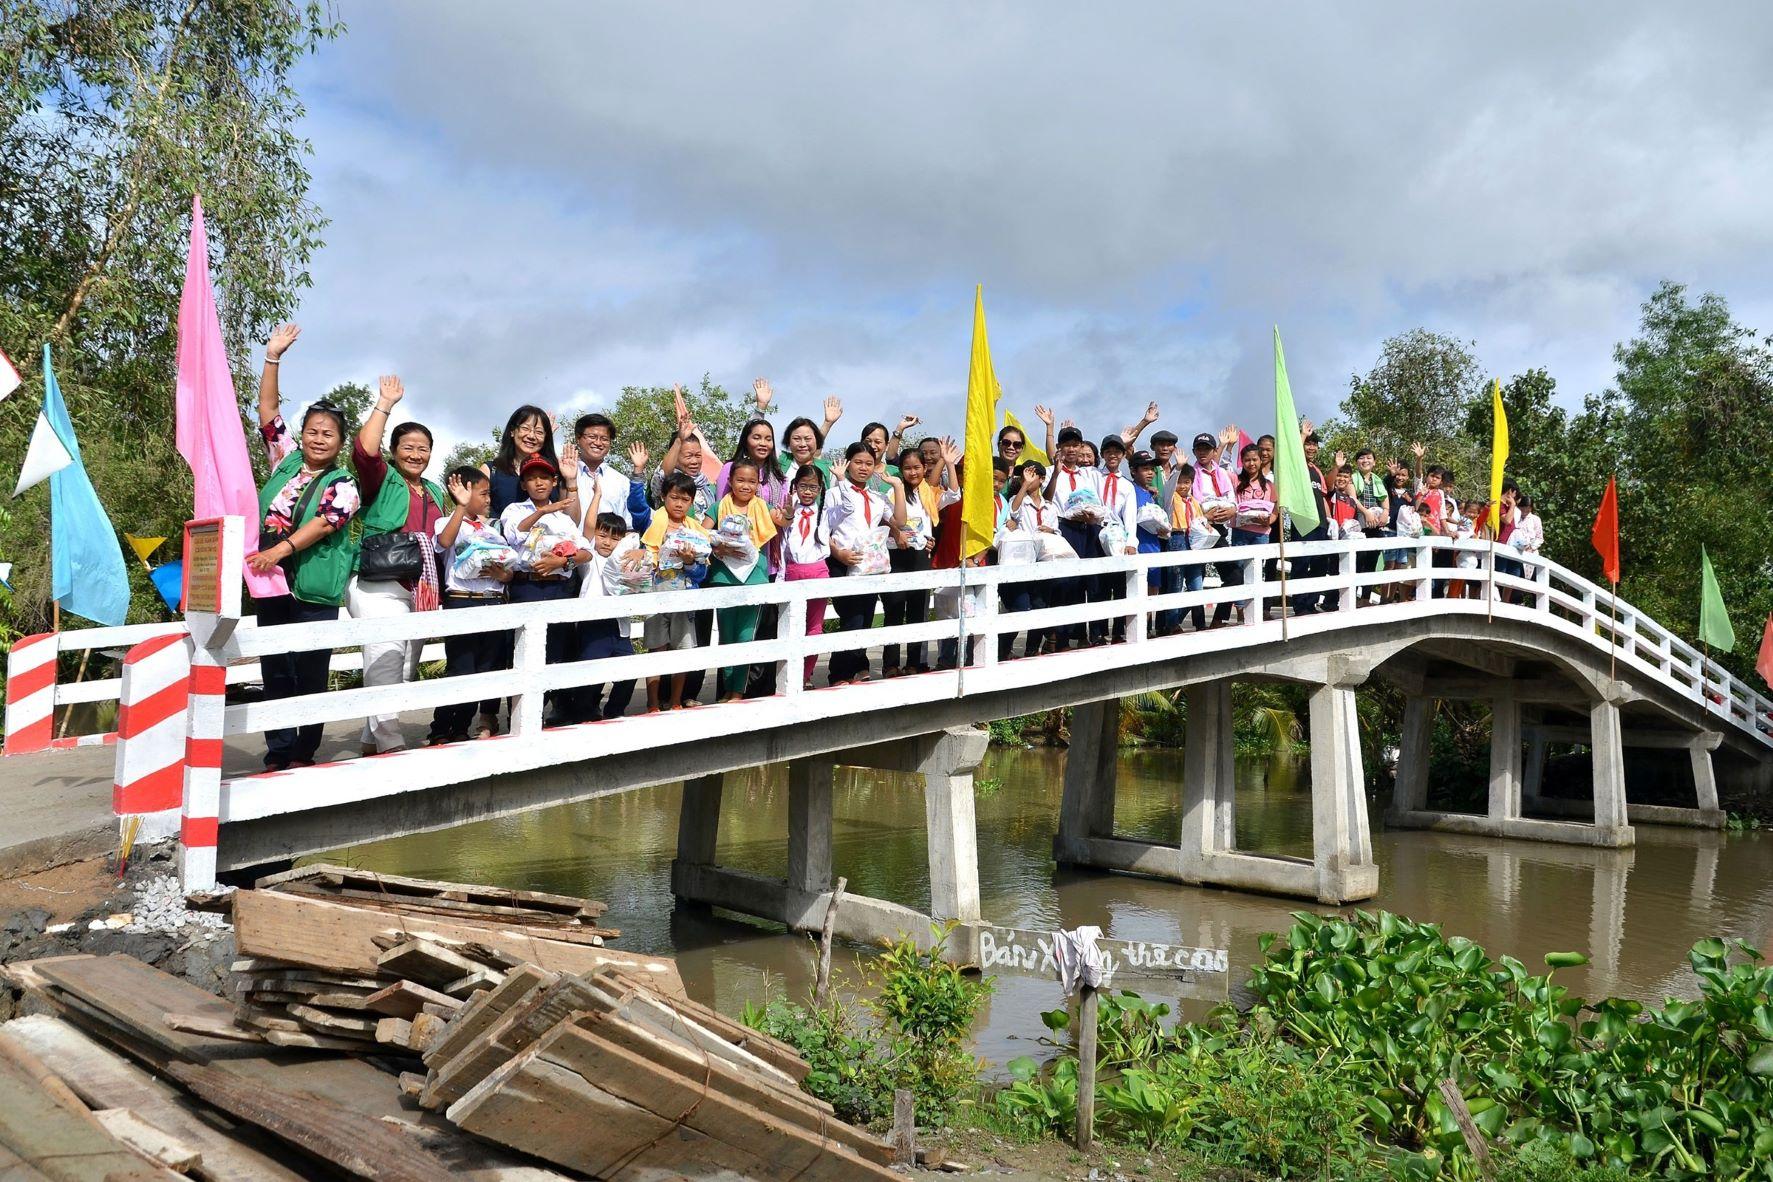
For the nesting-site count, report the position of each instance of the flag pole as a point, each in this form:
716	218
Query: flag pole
1281	521
1490	583
1614	604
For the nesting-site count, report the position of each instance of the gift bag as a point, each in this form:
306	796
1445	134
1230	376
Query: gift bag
619	578
1113	536
732	545
1054	548
872	546
1084	506
1152	515
1202	535
1017	547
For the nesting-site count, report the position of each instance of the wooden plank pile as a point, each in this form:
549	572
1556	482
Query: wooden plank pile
341	959
500	1045
671	1088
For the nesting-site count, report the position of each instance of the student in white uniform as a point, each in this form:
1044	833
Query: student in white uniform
806	547
1121	498
857	512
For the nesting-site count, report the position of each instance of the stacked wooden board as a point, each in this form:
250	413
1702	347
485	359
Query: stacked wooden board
545	1055
671	1088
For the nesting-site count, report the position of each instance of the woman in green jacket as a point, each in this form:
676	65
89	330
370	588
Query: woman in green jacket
397	499
306	504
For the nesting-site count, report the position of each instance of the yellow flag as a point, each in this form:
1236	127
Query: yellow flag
978	502
144	547
1498	455
1029	450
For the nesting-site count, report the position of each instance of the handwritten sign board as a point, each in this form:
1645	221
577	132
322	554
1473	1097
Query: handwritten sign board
1200	973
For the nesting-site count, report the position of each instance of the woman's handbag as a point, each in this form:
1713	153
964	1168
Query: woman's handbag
393	557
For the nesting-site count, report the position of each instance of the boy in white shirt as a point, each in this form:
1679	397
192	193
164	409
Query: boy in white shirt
611	543
477	567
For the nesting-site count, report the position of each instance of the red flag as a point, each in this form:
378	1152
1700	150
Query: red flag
1606	532
1764	662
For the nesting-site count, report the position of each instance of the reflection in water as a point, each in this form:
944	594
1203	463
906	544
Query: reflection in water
1636	912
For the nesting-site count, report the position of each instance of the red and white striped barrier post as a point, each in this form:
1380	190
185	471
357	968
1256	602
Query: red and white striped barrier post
215	556
151	727
30	693
200	824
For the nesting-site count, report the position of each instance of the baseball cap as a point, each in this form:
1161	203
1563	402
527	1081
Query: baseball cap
1142	459
1205	439
1070	435
539	464
1113	441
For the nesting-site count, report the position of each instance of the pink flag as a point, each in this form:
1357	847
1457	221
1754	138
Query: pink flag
1243	441
210	436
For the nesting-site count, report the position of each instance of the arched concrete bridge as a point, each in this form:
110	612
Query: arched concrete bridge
1543	649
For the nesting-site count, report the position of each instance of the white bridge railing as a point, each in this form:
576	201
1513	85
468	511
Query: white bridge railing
1545	593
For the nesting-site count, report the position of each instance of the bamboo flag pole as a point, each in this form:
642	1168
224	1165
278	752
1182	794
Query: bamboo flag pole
1613	604
1281	518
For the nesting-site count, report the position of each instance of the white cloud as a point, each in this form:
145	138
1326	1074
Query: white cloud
535	201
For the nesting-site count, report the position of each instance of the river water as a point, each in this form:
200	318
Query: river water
1635	912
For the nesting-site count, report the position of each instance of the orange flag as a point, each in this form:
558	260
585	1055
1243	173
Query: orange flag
1606	532
1764	662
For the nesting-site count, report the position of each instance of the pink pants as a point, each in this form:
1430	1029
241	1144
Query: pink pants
815	608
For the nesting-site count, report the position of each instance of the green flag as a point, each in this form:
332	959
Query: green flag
1291	476
1714	619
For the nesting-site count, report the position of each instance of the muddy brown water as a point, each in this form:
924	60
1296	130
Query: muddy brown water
1635	912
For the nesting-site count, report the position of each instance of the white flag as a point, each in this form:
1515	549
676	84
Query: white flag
6	575
46	456
9	378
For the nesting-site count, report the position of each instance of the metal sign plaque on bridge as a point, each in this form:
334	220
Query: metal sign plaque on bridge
1200	973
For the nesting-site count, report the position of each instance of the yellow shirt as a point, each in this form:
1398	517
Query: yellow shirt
655	533
763	526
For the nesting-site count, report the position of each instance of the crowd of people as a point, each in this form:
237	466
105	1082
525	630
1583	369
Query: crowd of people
354	521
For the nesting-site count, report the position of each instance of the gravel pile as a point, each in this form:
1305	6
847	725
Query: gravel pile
160	907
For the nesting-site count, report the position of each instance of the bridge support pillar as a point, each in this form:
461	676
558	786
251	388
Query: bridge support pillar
1705	778
1209	779
1533	771
1341	869
1342	844
1410	788
946	760
1086	809
1505	758
1607	744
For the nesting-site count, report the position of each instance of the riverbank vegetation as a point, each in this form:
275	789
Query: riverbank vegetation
1342	1065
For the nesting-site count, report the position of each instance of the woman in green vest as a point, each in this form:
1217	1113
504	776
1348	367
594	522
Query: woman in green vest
397	500
304	508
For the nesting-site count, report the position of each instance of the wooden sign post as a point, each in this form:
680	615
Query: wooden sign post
1198	973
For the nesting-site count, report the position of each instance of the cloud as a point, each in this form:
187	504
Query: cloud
552	200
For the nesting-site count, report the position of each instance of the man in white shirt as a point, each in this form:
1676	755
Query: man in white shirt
595	435
1069	478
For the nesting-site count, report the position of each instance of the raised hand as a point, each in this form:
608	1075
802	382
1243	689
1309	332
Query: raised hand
833	409
282	338
1228	435
392	389
1064	423
1340	458
950	451
1305	428
1044	414
638	456
840	469
1151	412
906	423
763	392
569	461
458	490
1030	480
681	407
1417	450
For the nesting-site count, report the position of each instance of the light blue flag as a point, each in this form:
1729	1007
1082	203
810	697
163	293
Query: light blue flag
87	576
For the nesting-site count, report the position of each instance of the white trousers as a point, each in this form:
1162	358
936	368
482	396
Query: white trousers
385	662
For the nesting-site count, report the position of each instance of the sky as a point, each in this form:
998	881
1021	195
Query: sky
547	201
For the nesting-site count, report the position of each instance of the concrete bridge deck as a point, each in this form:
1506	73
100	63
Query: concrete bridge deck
1548	656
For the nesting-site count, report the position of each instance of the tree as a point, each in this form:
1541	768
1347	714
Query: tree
111	116
1691	428
1421	390
468	454
647	414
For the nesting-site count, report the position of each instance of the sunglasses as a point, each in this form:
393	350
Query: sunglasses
1012	445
